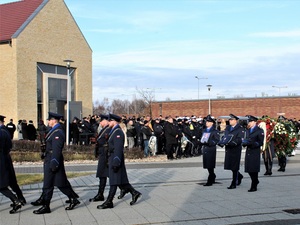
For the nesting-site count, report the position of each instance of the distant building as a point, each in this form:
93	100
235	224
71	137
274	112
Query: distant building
36	36
271	106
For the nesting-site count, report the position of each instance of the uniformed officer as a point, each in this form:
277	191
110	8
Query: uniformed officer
233	136
117	170
101	152
210	138
7	173
253	141
54	169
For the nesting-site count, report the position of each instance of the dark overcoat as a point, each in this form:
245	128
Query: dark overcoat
5	161
54	168
233	149
170	133
210	150
116	158
102	168
252	155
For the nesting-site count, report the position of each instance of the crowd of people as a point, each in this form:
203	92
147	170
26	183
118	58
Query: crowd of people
176	137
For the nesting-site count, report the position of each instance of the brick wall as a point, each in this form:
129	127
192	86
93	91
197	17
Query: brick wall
220	107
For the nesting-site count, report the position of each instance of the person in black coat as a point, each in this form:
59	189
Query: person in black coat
116	169
101	152
209	140
7	173
31	131
74	131
232	139
11	127
253	141
54	169
171	135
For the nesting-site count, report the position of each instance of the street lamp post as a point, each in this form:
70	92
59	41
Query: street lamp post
68	61
279	101
198	78
209	87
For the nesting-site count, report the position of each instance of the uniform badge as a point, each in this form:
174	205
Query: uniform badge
56	138
118	136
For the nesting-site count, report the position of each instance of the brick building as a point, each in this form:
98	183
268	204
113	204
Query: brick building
270	106
36	36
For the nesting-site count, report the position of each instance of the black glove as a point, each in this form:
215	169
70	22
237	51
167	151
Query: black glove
43	155
115	168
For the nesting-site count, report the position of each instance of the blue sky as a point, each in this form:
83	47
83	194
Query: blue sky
243	48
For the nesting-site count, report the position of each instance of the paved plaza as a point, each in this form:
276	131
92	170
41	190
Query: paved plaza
173	193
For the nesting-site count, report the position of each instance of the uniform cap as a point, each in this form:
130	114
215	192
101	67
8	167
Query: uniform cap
103	117
210	119
54	116
251	118
2	118
233	117
113	117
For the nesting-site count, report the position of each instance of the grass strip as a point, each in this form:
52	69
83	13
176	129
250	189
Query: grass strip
26	178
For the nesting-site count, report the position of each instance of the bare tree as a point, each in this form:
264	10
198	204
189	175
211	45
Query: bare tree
148	96
102	107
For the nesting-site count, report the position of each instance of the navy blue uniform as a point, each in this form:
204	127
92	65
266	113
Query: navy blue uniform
252	156
102	168
209	150
7	172
117	169
54	169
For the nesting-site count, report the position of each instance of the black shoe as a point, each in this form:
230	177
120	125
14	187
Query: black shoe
122	194
106	205
68	201
240	178
135	197
22	200
231	187
37	202
252	189
73	203
281	169
43	210
207	184
16	206
97	198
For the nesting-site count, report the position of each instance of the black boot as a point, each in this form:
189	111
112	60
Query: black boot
240	177
97	198
73	203
123	192
43	210
253	186
38	202
108	204
232	185
16	206
267	168
135	196
209	181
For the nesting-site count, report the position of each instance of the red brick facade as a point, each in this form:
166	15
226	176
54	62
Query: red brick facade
220	107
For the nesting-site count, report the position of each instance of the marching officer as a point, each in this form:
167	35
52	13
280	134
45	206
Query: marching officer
54	169
209	140
232	139
253	141
7	172
101	152
117	170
